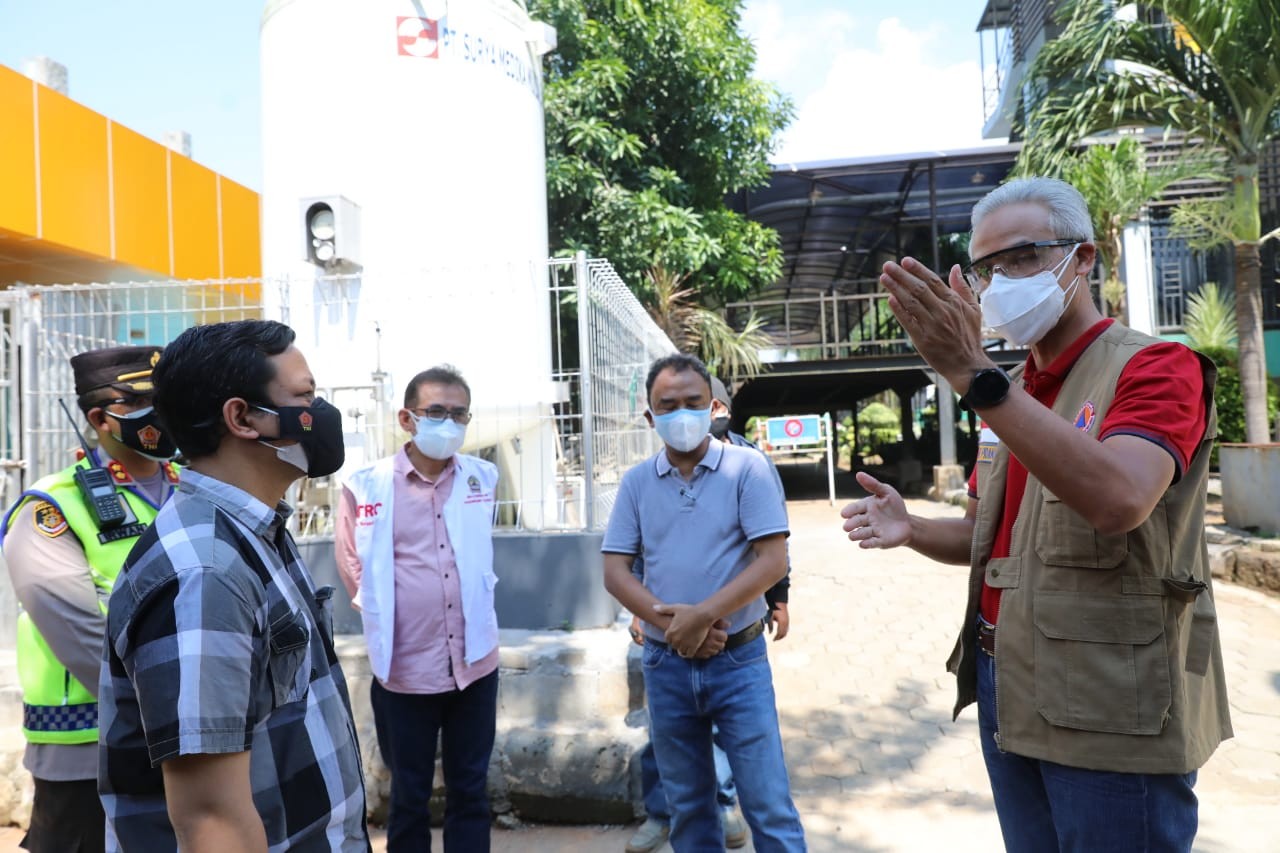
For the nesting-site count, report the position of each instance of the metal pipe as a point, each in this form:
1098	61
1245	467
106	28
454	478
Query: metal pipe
586	389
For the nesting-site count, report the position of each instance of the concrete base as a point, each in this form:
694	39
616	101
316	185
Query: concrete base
570	727
545	581
946	479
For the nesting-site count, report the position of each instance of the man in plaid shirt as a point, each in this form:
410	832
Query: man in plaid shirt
224	717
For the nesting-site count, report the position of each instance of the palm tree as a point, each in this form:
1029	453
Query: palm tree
1117	185
1208	69
697	329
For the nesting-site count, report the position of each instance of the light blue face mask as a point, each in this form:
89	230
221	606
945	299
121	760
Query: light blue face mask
683	429
437	439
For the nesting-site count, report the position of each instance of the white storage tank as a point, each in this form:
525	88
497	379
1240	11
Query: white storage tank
410	136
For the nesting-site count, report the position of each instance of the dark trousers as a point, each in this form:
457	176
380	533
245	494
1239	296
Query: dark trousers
66	817
408	725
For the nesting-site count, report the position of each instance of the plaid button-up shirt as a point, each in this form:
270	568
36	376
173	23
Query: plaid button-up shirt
216	643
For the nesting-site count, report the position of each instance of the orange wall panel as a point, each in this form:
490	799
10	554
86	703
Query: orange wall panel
73	174
141	200
17	153
193	198
241	237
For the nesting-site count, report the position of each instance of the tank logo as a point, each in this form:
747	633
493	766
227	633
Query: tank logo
417	37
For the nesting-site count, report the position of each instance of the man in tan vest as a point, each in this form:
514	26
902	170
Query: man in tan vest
1089	639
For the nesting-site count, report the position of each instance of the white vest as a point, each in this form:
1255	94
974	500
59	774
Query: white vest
468	520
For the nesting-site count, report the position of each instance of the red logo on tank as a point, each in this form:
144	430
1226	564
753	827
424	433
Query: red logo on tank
418	37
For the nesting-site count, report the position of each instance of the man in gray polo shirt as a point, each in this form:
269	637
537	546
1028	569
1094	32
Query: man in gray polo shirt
706	519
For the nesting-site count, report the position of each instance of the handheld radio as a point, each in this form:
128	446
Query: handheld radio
96	486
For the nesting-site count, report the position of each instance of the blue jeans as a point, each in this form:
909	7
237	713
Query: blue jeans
655	797
734	692
407	725
1045	806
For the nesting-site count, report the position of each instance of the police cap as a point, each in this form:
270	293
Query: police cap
126	369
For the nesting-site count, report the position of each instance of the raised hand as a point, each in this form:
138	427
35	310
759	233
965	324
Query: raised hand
879	520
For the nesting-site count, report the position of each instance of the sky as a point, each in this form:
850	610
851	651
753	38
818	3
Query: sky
867	77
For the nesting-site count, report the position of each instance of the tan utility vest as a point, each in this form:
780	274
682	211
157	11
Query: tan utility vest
1107	652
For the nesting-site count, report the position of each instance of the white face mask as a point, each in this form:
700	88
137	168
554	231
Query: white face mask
295	454
683	429
437	439
1023	310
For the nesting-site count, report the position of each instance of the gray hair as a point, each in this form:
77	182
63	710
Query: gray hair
1068	214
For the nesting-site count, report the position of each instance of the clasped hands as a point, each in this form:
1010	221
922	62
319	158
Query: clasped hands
689	632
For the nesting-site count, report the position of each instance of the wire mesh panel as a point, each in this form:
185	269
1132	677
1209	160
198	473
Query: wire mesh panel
59	321
560	435
11	463
621	340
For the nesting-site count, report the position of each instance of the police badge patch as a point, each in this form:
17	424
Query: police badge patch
49	520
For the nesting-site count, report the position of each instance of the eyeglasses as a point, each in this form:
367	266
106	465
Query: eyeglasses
1019	261
439	413
133	402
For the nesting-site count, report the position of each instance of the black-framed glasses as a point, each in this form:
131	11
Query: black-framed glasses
439	413
1021	261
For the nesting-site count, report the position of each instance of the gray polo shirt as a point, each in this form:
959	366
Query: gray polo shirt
695	537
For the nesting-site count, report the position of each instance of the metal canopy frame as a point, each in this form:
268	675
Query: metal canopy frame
839	221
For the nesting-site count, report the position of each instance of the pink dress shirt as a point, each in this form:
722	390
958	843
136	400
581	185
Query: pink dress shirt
427	648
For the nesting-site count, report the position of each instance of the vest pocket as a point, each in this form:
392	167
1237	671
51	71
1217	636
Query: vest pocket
290	640
1101	663
1064	538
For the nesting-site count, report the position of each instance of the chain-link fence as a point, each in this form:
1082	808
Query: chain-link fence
561	436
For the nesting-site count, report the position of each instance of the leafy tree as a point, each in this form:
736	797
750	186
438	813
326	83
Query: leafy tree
694	328
1210	327
1117	185
1206	68
878	426
653	118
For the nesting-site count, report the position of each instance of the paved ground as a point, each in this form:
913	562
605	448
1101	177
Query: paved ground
876	763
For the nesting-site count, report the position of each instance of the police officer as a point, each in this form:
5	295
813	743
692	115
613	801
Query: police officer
63	554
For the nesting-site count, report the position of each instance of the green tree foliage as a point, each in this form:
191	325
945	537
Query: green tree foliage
696	329
878	426
1116	184
653	118
1206	68
1210	327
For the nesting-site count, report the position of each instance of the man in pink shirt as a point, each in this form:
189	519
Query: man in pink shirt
415	551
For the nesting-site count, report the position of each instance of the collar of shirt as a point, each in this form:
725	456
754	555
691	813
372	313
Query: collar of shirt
1039	382
710	460
236	502
403	467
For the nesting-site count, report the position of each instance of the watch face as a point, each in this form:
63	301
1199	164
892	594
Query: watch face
989	386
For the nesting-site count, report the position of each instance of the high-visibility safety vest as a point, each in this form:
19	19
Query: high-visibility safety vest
57	708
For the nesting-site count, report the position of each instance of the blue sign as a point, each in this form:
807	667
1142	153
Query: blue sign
794	429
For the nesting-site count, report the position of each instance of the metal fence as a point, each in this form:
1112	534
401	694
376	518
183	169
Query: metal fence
617	342
560	453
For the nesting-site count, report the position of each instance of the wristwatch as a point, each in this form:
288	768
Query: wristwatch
989	388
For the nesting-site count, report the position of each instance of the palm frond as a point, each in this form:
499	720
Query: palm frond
1210	321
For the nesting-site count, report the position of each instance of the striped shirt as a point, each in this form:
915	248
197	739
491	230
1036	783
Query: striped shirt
218	643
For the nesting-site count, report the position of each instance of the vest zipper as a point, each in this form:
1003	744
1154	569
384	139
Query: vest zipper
66	687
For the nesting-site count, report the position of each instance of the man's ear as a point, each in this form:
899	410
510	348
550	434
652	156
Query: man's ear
238	417
1086	257
97	417
648	416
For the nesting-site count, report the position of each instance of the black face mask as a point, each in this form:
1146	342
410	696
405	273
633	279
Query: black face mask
142	433
720	427
317	429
